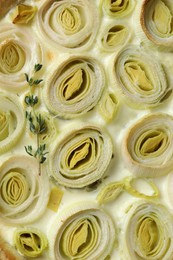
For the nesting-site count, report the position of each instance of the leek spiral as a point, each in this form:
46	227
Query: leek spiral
113	37
148	232
140	77
75	87
156	21
83	231
148	146
70	25
18	54
23	193
30	242
80	156
12	121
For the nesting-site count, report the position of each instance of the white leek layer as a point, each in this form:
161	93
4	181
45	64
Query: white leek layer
83	231
140	77
75	87
80	156
12	121
24	193
148	146
19	52
71	25
147	232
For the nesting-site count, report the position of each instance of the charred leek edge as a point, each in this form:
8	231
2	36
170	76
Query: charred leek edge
148	232
12	121
112	190
23	193
30	242
83	231
108	106
80	156
156	21
148	146
113	37
19	52
140	77
75	87
69	25
117	8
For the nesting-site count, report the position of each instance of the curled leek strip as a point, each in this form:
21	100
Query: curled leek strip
108	106
80	156
69	25
30	242
18	54
156	21
23	193
12	121
129	187
118	8
112	190
83	231
148	232
113	37
75	87
148	146
140	77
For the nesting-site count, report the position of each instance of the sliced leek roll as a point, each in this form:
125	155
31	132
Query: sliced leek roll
148	146
83	231
12	121
117	8
113	37
30	242
19	52
112	190
75	87
24	194
140	77
108	106
80	156
148	232
70	25
156	21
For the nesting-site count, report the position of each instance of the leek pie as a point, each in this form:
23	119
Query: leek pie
86	129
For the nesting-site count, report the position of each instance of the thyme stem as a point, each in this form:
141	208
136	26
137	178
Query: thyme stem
37	124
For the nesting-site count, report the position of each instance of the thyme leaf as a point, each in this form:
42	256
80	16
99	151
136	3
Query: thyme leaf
37	67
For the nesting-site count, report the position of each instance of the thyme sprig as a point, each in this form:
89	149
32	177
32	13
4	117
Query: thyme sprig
37	124
39	153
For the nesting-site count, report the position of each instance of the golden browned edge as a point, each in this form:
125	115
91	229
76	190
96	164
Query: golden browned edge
144	27
7	252
6	5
